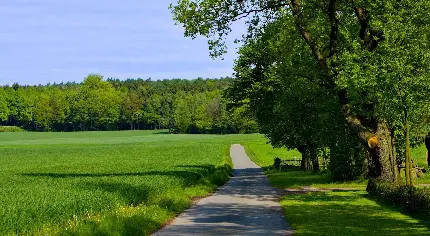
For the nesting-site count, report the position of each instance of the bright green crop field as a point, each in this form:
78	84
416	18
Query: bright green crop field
106	183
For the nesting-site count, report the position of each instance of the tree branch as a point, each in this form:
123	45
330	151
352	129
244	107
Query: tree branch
352	120
370	37
334	22
269	6
316	50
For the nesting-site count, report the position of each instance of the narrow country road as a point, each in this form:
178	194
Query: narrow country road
246	205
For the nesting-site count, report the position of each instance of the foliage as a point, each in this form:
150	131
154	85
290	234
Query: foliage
370	57
347	158
89	182
263	154
185	106
11	129
409	198
4	110
340	213
345	210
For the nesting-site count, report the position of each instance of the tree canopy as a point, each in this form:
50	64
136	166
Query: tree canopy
371	58
185	106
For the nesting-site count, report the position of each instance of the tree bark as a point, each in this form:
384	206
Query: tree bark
382	167
314	158
305	163
375	137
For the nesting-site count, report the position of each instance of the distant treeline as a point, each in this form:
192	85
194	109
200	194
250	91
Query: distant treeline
183	106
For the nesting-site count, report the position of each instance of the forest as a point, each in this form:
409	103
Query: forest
182	106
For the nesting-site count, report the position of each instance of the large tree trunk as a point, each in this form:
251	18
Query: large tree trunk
377	140
305	163
382	163
314	158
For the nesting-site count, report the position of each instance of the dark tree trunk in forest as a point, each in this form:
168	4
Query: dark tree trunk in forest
427	143
305	163
314	158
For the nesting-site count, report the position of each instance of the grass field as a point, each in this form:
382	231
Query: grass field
112	183
131	183
340	212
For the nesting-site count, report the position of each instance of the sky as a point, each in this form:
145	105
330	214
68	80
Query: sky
47	41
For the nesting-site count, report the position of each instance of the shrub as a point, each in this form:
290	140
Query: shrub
11	129
409	198
347	160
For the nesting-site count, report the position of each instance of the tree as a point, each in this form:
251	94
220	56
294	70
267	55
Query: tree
360	50
96	104
113	104
131	108
182	115
4	110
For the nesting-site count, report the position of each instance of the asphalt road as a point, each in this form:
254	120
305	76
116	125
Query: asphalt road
246	205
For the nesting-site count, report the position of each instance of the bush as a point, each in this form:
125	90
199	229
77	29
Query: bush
11	129
409	198
347	160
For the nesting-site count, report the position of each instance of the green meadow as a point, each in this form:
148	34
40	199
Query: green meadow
116	183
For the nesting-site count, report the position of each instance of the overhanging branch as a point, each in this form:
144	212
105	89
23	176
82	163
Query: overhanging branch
270	5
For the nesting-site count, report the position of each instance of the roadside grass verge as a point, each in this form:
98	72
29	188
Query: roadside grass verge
348	213
333	212
105	183
263	155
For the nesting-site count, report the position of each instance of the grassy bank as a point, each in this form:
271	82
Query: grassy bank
334	212
126	183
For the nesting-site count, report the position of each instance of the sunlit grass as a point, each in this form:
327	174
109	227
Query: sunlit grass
334	212
348	213
263	154
93	182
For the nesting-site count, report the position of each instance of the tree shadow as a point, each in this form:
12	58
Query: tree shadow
199	168
115	224
230	219
175	173
131	194
246	205
161	132
422	217
328	214
294	178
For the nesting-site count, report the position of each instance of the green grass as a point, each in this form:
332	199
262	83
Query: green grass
340	212
348	213
263	154
109	183
420	158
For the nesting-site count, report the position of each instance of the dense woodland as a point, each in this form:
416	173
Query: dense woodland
183	106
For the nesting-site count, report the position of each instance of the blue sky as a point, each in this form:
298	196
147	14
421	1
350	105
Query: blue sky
45	41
